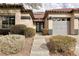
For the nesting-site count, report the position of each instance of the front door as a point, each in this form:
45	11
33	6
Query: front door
39	26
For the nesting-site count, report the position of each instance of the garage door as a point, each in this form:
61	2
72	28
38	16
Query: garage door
60	28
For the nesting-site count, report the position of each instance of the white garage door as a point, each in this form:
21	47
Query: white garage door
60	28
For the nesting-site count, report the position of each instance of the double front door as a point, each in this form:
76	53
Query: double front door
39	26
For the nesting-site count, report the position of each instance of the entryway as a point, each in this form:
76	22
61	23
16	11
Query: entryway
39	26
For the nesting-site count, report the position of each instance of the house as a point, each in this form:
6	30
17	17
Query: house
62	21
52	22
13	14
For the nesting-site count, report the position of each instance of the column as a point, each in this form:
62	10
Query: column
72	25
17	17
45	31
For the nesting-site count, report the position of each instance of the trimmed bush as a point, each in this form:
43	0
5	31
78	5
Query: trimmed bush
30	32
11	44
62	43
18	29
45	31
4	31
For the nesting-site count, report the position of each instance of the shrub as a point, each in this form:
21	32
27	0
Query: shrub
62	43
11	44
45	31
18	29
30	32
4	31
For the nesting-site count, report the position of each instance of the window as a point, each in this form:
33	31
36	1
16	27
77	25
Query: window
8	21
50	18
25	17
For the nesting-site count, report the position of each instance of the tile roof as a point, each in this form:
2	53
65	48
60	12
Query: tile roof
64	10
39	15
16	6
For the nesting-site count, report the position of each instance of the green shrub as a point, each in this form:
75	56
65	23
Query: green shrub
62	43
45	31
30	32
11	44
18	29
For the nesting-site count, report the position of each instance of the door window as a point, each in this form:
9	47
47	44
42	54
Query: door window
39	26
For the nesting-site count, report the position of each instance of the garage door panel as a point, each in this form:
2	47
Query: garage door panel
59	27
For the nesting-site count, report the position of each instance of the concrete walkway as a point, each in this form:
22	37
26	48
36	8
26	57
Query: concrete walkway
39	47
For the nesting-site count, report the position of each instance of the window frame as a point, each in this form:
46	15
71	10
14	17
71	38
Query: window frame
8	22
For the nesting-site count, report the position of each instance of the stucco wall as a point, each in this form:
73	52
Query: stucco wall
50	26
75	23
60	15
17	14
10	12
27	22
50	22
76	14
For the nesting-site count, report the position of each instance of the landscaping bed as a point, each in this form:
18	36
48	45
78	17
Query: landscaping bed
18	42
61	45
25	51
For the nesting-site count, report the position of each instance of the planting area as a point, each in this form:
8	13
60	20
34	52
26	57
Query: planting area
61	45
18	41
15	45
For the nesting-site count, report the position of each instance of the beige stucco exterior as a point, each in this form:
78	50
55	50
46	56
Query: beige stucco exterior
9	12
59	15
73	20
17	14
75	23
48	24
27	22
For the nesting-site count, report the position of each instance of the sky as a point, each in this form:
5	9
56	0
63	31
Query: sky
47	6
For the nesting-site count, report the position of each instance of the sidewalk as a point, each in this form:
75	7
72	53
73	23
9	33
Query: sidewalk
39	47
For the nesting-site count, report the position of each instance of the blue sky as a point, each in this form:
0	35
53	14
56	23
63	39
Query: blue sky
47	6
